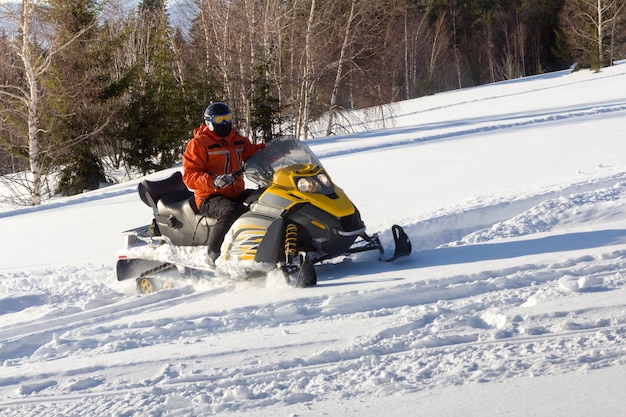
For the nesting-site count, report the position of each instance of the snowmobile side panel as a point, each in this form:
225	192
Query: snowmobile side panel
272	247
244	237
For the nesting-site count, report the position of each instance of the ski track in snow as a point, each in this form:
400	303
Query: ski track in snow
455	126
471	305
457	330
484	126
425	332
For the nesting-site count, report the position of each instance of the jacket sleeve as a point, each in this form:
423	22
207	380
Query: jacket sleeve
194	176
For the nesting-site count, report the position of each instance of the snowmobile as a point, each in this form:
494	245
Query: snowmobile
297	218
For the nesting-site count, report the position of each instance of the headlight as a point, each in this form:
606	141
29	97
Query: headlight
323	178
317	184
308	185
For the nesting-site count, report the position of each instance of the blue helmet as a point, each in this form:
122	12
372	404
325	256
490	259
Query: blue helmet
219	118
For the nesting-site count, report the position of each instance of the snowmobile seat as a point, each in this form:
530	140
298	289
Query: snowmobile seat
175	210
150	192
177	219
182	207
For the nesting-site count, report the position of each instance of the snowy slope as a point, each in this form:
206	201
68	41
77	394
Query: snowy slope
513	302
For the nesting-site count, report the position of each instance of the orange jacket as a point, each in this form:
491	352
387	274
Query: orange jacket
208	155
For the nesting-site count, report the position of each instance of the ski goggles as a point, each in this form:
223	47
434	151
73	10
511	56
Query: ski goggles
218	119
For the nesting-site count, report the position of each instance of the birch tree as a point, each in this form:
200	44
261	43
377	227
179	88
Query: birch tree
307	79
589	26
340	63
34	45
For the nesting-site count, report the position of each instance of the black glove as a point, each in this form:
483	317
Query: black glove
223	180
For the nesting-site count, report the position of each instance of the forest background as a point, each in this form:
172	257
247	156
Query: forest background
87	87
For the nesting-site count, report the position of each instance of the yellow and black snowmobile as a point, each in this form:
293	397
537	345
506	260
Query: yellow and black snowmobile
297	217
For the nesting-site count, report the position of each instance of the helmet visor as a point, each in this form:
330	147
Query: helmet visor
218	119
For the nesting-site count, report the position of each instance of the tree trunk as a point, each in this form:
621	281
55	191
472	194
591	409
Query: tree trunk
34	148
339	73
406	56
307	81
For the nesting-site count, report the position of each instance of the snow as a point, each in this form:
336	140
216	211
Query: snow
513	302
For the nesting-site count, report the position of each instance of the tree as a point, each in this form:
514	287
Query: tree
265	116
540	18
589	27
75	113
13	149
83	85
340	66
35	47
157	112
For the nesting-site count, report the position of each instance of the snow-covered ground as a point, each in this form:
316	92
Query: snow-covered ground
513	302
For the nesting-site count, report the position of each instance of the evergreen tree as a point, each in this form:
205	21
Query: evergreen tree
73	86
84	172
265	107
157	112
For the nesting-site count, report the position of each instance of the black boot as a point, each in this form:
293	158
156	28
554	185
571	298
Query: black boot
211	257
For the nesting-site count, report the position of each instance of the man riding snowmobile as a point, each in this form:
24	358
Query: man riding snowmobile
211	156
296	218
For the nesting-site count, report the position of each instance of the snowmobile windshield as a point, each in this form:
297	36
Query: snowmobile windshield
279	153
